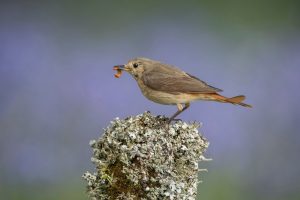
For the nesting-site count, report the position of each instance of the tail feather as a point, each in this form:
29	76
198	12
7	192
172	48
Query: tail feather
238	100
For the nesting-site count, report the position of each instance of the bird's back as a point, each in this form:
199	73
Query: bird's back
168	78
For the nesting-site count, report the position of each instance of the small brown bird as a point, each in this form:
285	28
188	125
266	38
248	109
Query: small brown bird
166	84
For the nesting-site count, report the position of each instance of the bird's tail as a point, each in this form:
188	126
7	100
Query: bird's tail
237	100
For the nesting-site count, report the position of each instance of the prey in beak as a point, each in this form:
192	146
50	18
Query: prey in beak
119	69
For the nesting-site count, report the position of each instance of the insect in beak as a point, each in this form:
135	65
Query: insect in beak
119	69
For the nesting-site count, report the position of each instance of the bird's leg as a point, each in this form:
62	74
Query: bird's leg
180	110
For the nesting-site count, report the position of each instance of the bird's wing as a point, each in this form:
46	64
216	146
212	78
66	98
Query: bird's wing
173	80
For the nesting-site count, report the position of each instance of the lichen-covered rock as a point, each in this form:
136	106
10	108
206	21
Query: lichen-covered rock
141	158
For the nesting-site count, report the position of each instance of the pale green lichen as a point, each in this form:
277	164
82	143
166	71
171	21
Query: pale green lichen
141	158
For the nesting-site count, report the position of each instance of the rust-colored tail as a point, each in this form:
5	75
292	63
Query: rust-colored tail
237	100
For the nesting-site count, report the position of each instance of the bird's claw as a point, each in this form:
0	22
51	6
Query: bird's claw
162	125
176	120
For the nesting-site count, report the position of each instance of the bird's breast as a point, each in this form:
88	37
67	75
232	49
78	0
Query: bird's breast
162	97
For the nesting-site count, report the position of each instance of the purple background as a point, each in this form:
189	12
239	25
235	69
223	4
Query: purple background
57	89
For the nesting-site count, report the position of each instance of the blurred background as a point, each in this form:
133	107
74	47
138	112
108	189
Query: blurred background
57	89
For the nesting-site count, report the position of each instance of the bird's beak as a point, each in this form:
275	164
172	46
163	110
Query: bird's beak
120	67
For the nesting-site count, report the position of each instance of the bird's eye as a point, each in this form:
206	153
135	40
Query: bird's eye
135	65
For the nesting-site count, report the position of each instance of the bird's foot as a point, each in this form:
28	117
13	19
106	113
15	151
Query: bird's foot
173	120
166	123
176	120
162	125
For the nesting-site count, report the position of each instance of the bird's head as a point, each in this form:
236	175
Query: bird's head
137	66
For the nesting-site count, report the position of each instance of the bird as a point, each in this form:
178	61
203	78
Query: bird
167	84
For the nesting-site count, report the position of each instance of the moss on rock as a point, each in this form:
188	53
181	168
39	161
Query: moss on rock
142	158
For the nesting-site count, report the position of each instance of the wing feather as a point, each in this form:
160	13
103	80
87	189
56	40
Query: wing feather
172	80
